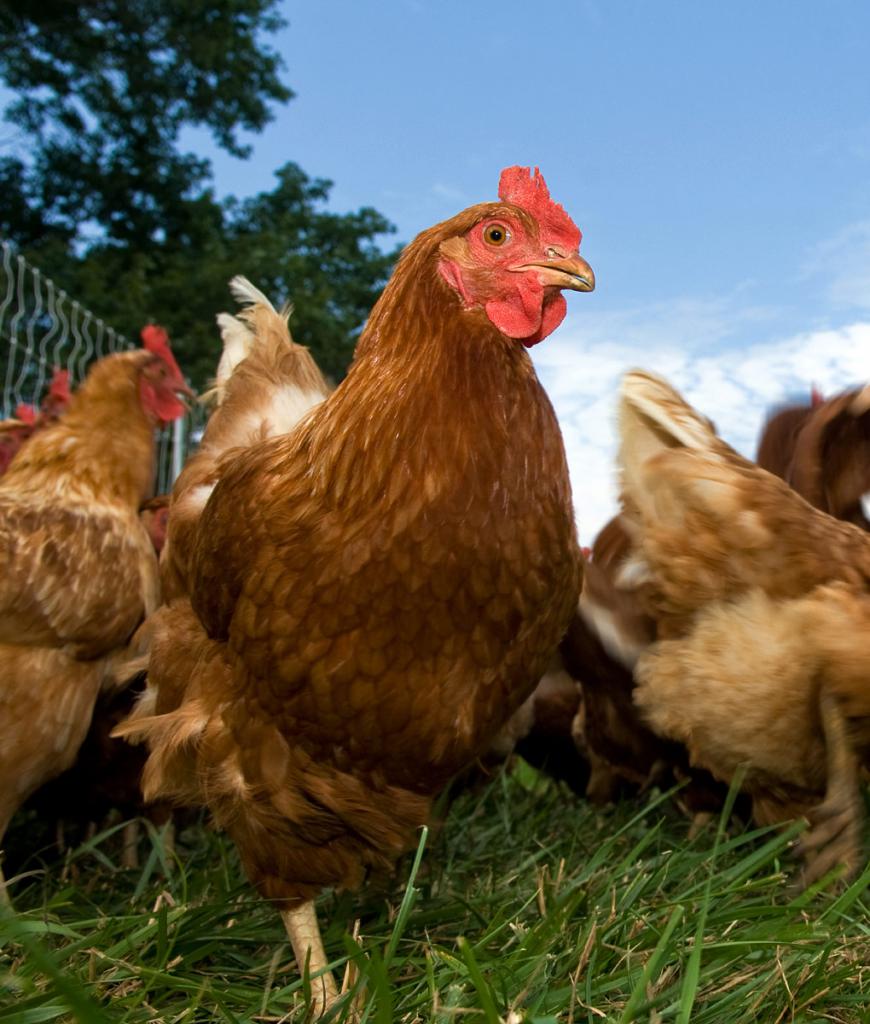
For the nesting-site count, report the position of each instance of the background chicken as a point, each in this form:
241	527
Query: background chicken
154	513
105	780
599	649
77	568
265	383
762	607
28	420
822	449
375	593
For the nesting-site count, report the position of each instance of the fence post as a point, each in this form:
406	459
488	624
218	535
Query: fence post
179	428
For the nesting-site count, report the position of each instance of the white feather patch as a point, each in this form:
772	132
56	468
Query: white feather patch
618	644
197	497
655	399
238	340
246	294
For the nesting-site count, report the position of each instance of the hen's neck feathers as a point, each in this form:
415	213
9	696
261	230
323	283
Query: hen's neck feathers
435	392
102	449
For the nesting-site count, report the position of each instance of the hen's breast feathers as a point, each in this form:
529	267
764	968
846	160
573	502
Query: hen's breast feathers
391	595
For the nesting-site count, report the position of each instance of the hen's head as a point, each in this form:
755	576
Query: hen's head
512	259
161	381
26	413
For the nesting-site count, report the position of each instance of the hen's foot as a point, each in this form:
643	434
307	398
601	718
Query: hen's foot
700	820
834	836
130	848
304	933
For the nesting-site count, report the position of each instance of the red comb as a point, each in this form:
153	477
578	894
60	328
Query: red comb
156	340
26	413
816	396
59	387
521	187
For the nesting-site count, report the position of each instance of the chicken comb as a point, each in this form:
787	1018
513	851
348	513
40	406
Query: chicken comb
26	413
816	396
156	340
59	387
528	190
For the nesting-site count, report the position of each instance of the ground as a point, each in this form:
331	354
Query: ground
527	905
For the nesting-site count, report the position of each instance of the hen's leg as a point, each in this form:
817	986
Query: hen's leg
130	847
304	932
834	836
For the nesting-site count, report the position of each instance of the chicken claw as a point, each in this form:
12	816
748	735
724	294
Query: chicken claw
304	932
834	836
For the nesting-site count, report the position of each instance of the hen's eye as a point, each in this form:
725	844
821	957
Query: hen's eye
496	234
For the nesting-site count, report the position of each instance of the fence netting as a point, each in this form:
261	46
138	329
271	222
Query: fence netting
43	329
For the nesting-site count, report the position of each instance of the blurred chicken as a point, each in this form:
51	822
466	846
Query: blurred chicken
375	593
77	569
547	742
603	640
762	610
822	449
28	420
265	383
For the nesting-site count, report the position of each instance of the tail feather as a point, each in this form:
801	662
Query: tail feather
247	294
265	385
654	416
238	341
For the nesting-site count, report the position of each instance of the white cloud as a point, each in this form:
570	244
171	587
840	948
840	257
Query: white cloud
581	364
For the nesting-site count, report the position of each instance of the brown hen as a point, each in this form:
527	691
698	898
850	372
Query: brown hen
374	594
822	449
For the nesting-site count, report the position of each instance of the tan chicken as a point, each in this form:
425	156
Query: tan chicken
265	383
762	610
374	594
822	449
77	569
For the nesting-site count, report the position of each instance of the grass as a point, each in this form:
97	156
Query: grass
527	905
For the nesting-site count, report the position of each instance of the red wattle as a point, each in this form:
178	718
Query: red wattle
518	314
163	405
511	316
553	315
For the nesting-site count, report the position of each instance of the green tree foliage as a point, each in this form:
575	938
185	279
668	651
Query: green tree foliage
99	194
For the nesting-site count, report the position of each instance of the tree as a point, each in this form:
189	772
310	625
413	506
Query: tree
105	88
103	200
328	265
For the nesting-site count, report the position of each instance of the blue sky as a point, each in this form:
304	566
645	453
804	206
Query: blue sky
704	149
716	157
